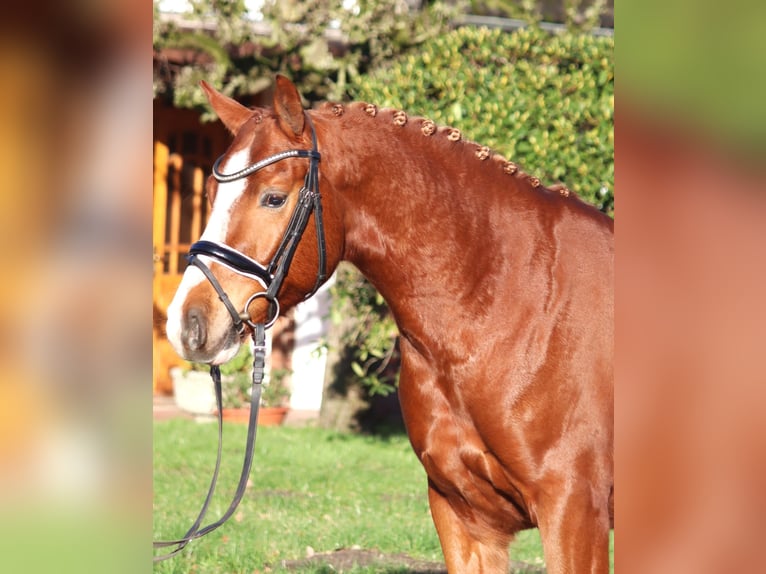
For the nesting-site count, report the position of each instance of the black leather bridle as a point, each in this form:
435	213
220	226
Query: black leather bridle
270	277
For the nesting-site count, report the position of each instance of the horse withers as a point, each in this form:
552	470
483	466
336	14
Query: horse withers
502	290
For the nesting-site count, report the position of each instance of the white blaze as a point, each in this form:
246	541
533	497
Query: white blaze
226	198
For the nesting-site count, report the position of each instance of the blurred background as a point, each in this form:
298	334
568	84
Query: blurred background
75	357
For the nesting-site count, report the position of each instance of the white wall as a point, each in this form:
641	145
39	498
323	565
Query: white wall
311	325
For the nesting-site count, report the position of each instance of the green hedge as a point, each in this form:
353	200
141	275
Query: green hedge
545	101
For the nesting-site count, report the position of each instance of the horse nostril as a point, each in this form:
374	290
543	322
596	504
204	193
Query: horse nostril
194	334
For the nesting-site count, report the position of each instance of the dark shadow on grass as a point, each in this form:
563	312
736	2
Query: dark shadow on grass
516	569
358	560
383	417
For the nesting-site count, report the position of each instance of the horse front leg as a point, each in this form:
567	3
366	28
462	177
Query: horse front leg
463	551
574	529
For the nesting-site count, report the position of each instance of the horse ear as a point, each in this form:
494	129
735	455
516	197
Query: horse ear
231	113
288	107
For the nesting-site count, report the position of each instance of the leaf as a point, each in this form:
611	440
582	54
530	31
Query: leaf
316	55
457	111
357	368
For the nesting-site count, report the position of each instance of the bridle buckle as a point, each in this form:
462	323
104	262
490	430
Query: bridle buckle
273	309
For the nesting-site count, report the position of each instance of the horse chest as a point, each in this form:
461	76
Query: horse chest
459	463
474	481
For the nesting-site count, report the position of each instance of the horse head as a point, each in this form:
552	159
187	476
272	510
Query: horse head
260	251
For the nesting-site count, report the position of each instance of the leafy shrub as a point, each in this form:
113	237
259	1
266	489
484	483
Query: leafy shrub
367	330
320	45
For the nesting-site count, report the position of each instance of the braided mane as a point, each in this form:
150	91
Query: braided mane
428	128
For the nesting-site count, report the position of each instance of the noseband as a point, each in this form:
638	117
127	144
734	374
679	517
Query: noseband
272	275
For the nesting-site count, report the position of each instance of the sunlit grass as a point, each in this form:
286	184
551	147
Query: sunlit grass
309	488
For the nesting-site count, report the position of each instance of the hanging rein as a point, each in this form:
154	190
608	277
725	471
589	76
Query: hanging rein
270	277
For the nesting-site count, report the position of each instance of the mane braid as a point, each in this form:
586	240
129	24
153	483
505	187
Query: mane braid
428	128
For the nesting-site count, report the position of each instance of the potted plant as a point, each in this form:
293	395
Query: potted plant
236	385
274	398
193	390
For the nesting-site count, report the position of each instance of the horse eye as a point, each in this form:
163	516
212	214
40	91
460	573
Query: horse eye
273	200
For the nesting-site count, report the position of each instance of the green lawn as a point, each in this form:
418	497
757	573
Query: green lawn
310	488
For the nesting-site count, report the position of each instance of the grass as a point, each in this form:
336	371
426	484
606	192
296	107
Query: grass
309	488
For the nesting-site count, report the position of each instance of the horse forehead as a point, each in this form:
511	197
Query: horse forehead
235	159
241	145
227	195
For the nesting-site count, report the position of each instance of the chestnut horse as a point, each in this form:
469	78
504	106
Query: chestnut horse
501	289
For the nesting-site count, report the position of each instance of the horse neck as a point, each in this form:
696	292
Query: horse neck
424	211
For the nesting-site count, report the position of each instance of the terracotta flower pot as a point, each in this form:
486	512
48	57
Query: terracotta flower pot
272	416
237	415
267	416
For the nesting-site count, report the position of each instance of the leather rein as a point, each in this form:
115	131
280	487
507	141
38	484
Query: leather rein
270	277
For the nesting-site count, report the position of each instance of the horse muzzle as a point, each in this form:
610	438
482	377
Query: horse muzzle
195	345
198	330
193	330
